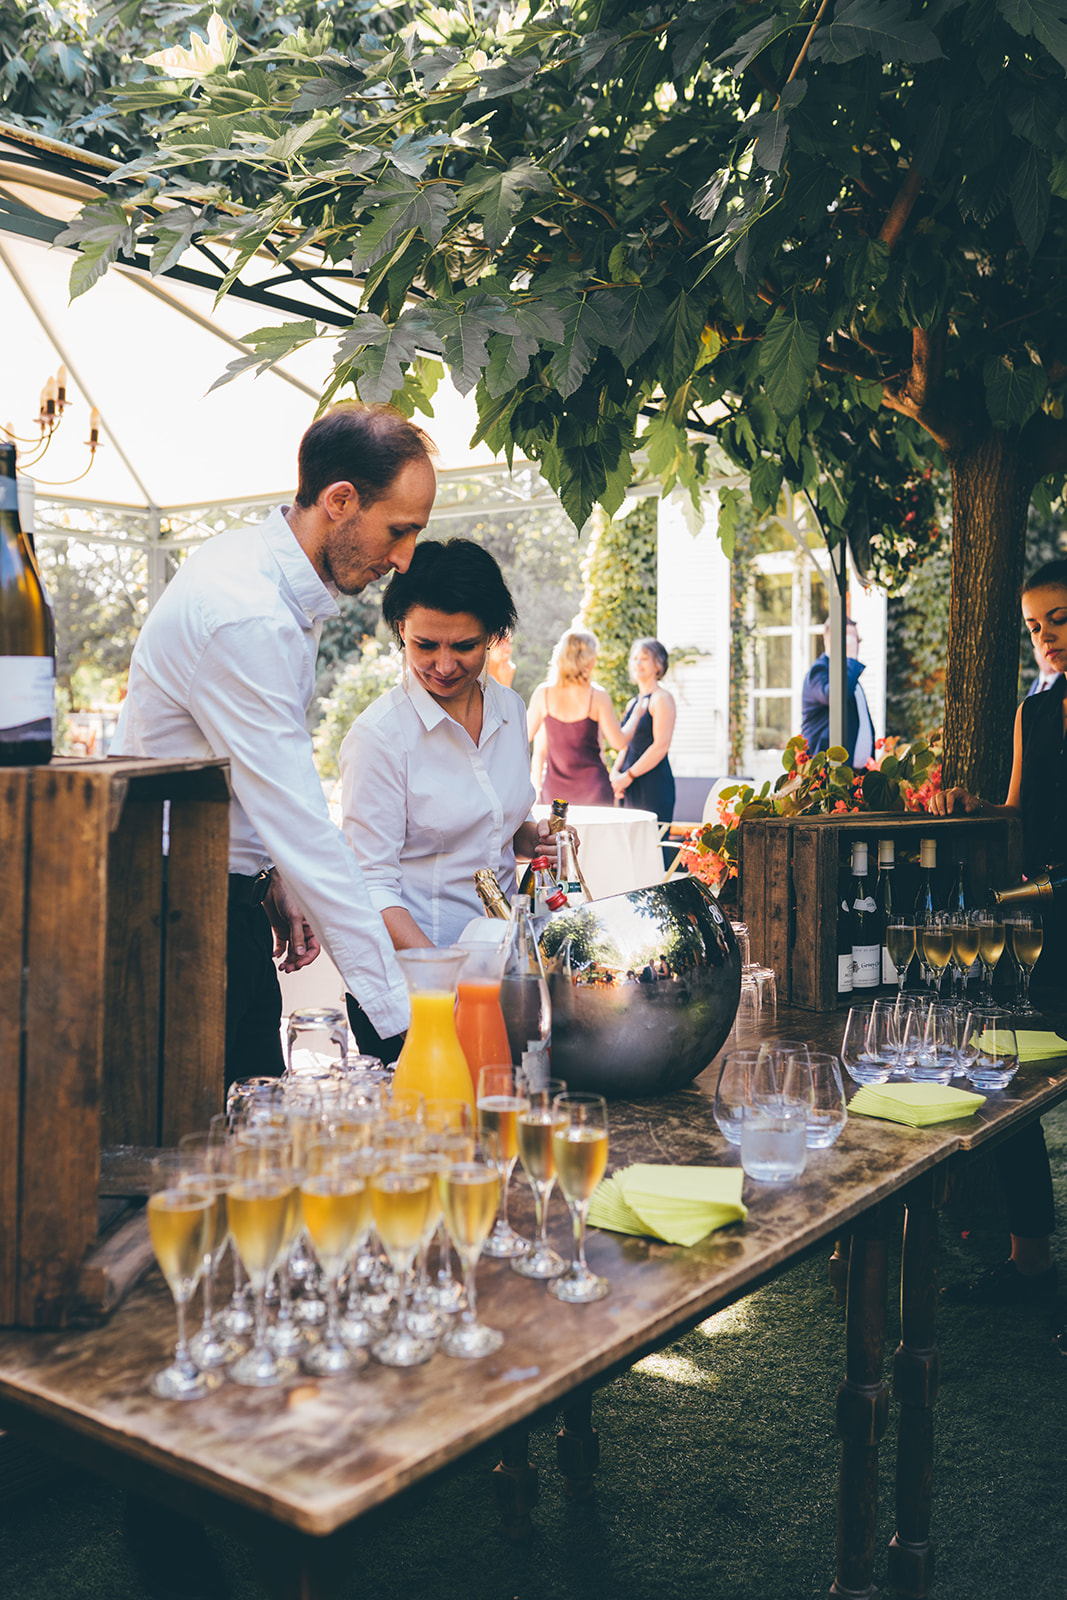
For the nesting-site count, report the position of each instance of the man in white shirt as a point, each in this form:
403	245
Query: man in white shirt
225	666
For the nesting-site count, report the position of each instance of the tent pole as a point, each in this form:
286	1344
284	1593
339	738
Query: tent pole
156	558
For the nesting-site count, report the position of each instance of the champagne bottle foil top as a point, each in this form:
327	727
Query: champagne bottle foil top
928	852
859	858
886	857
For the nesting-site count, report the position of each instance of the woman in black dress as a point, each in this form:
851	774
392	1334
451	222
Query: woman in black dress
1037	794
642	776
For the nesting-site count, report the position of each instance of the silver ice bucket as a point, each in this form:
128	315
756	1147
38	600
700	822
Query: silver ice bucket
644	988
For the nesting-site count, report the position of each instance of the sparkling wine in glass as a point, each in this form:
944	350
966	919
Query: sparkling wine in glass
401	1203
208	1165
580	1151
535	1128
990	949
335	1202
1027	937
470	1194
900	942
936	939
180	1224
262	1200
500	1100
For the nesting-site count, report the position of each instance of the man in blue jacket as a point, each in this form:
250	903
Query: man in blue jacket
815	703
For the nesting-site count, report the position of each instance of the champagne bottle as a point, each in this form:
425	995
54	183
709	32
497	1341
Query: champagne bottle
1048	887
27	638
524	997
883	899
866	938
491	894
571	878
557	821
844	944
957	900
925	898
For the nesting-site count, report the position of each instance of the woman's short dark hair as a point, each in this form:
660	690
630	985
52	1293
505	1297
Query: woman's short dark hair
1051	572
452	575
366	446
655	650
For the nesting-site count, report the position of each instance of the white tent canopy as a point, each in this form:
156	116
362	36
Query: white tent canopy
145	351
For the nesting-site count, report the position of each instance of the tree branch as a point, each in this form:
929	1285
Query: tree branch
927	364
901	209
807	42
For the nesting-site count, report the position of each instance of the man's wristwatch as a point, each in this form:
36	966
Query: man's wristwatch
261	886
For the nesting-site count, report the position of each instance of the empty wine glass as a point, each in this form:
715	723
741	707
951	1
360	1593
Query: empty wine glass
1027	936
991	1048
936	1057
734	1091
825	1105
180	1225
580	1151
317	1041
868	1054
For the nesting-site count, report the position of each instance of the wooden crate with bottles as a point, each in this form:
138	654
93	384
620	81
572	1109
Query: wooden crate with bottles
796	871
112	1028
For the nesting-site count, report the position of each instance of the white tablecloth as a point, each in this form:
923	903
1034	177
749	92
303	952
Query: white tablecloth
620	849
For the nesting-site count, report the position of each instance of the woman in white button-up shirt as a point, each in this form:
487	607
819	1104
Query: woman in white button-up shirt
435	776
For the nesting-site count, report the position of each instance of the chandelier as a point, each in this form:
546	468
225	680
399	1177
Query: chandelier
53	406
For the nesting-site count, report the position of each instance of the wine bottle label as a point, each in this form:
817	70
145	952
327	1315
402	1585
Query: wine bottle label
866	966
889	971
27	698
844	972
866	904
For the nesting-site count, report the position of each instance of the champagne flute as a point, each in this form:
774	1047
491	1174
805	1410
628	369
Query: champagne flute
965	941
499	1102
450	1133
990	949
901	938
1027	937
180	1224
580	1151
470	1194
422	1318
335	1202
401	1202
242	1097
936	938
534	1131
209	1167
261	1202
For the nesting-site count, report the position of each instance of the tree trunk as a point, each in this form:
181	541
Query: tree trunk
991	495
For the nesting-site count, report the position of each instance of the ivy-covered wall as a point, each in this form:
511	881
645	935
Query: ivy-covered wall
619	603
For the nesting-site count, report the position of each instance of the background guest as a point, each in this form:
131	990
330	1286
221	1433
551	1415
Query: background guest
642	776
569	721
815	703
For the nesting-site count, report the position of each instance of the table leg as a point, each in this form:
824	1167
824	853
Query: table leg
515	1484
862	1408
837	1269
916	1373
578	1445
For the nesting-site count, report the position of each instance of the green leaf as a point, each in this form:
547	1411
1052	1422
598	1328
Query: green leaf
378	352
1057	180
1030	199
771	128
1014	390
267	346
175	231
866	268
584	330
400	206
678	345
765	483
496	196
730	504
869	27
635	313
787	360
1040	19
100	232
463	327
510	353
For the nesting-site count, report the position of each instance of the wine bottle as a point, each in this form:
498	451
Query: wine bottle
866	939
844	943
524	997
557	821
27	638
491	894
957	899
925	898
1050	886
547	894
883	899
571	878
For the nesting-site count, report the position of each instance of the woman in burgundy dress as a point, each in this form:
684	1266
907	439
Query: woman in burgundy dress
569	721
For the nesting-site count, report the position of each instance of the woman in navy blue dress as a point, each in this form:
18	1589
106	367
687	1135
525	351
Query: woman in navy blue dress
642	776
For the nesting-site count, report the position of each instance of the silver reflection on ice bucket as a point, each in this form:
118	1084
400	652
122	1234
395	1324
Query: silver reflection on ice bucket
644	988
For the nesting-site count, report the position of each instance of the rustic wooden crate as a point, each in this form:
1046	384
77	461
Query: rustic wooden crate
112	1022
790	872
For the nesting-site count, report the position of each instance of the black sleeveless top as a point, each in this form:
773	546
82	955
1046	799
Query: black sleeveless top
1044	780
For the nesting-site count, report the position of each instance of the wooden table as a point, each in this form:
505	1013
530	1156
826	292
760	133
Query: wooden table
293	1469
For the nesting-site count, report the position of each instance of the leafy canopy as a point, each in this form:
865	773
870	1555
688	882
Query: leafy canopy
828	237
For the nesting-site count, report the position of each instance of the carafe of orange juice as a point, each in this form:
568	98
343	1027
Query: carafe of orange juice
432	1062
480	1024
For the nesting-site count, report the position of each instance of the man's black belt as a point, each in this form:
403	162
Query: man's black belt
245	891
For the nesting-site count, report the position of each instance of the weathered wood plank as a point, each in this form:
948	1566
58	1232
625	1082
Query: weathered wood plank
194	997
14	792
130	1109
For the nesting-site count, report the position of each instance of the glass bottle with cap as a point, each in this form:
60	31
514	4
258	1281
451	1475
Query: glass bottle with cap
883	899
866	938
524	996
27	637
491	894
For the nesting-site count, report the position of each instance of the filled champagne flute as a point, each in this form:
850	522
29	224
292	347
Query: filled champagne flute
208	1160
470	1194
261	1201
990	949
580	1152
401	1203
965	941
534	1131
1027	936
243	1097
935	937
500	1100
900	941
335	1204
181	1221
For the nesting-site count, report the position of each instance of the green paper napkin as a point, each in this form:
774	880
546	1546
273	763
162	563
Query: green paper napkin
917	1105
1035	1046
679	1205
